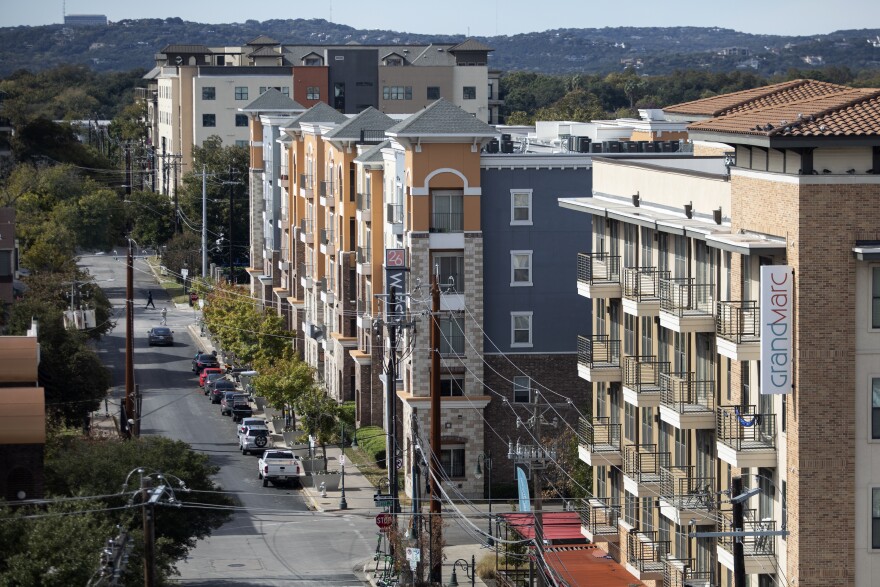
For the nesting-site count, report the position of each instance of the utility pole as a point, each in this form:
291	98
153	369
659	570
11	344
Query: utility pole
739	553
434	462
204	221
231	271
129	340
539	520
127	168
150	497
390	412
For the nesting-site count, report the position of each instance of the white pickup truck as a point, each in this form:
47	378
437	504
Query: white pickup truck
279	466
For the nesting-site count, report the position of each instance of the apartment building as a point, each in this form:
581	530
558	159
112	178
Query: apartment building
734	334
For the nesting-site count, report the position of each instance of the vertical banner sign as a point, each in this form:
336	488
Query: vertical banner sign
777	308
395	277
525	502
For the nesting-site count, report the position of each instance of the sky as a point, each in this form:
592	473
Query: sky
479	17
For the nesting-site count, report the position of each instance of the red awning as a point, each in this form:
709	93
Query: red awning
557	526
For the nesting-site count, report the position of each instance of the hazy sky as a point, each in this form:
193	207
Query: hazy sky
480	17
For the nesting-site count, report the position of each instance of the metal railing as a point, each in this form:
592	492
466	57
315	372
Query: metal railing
326	189
643	462
305	225
447	222
743	428
684	393
738	321
306	181
452	345
364	201
643	283
599	435
363	255
394	213
753	545
304	270
642	373
682	295
598	350
326	235
598	268
599	515
684	490
682	573
646	552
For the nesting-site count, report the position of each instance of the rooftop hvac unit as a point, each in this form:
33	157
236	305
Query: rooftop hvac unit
507	146
493	146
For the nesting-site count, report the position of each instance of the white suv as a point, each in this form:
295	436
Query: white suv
253	439
251	423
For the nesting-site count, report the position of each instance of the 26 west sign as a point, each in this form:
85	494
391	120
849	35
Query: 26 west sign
777	308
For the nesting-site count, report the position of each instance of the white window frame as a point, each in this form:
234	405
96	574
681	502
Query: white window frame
513	329
519	381
513	208
513	256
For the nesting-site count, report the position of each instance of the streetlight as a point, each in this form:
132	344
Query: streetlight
486	459
343	504
453	582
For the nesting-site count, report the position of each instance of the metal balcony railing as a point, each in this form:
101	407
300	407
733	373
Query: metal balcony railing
643	283
642	373
452	344
681	488
306	181
599	516
329	284
364	201
363	255
646	552
743	428
753	545
326	236
682	573
599	435
447	222
305	225
683	296
304	270
738	321
598	351
643	462
684	393
326	189
598	268
394	213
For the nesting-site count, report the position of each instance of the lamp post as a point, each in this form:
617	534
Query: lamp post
486	460
343	504
453	582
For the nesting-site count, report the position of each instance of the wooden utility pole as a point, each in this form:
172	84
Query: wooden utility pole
129	342
536	485
739	554
436	541
149	533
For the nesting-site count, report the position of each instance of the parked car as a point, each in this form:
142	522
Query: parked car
255	439
278	466
203	376
220	387
160	335
210	379
241	407
251	423
226	403
203	360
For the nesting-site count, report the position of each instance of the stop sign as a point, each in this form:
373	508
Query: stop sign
384	520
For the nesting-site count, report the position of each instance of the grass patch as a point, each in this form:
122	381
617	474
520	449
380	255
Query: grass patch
168	283
366	461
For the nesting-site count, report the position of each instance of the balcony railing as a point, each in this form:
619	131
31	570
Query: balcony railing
364	201
599	516
451	345
326	236
363	255
305	225
682	573
642	373
447	222
306	181
643	462
600	435
738	321
681	488
684	393
598	268
643	283
752	545
683	296
646	552
598	351
394	213
326	189
743	428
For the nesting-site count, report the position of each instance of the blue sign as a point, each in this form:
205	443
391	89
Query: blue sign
525	503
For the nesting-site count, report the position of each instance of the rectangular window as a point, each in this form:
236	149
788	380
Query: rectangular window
647	514
521	329
647	425
875	517
447	211
209	93
241	143
285	90
241	92
520	207
680	266
522	389
629	422
875	408
5	263
630	508
647	335
209	120
630	238
469	93
450	268
452	461
647	253
520	268
629	334
397	92
433	92
452	334
451	385
313	93
241	120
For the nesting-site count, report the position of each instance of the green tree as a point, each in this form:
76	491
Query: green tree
282	382
151	217
319	416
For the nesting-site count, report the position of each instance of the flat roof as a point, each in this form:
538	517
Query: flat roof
588	565
557	526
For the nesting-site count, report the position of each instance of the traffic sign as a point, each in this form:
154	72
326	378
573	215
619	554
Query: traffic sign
384	520
414	554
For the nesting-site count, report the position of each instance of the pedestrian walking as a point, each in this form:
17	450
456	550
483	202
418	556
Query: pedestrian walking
150	300
164	313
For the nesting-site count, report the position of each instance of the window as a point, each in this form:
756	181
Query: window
629	422
629	334
241	120
313	93
469	93
875	408
451	385
522	389
647	514
521	329
209	120
680	266
647	425
520	207
5	263
630	238
450	267
397	92
452	334
241	92
241	143
875	297
447	211
209	93
452	461
630	508
312	61
433	92
520	268
647	335
647	253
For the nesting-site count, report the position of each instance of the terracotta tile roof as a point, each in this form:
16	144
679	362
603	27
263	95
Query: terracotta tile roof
588	565
762	97
851	112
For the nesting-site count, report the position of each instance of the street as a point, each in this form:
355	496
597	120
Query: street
274	538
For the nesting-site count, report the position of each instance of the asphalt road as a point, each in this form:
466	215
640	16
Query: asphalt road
274	539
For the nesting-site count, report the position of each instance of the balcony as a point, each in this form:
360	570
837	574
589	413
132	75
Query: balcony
738	330
646	555
685	497
681	573
306	231
641	380
599	359
687	306
760	551
327	196
746	438
328	291
394	217
598	275
641	290
599	519
364	207
305	276
686	402
327	244
447	222
641	469
307	185
599	442
364	261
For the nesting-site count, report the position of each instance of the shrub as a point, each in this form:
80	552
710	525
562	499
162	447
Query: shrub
371	440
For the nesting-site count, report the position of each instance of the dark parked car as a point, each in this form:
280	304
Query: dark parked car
160	335
241	407
203	360
220	387
210	379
